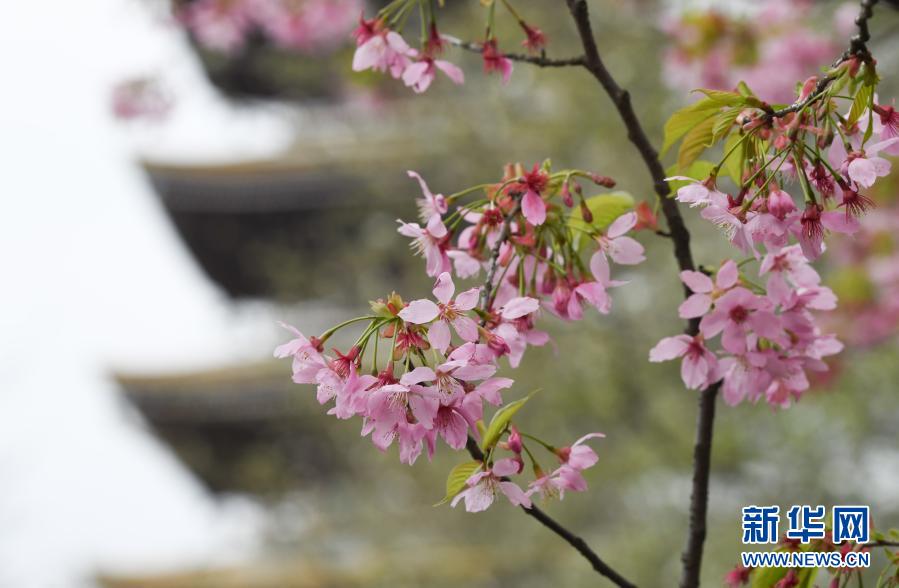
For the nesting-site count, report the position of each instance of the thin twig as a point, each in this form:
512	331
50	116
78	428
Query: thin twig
539	60
550	523
857	47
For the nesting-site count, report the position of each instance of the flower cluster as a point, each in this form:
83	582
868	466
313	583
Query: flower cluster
381	47
769	48
307	26
768	335
530	223
434	361
831	157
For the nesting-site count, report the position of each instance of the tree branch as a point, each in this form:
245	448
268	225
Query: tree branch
857	47
550	523
699	497
680	237
539	60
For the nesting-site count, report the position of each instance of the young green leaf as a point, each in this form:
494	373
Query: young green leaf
695	142
860	104
501	420
687	118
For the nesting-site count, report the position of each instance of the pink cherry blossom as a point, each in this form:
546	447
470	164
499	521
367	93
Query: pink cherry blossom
780	204
518	307
307	359
704	290
385	51
429	204
494	60
888	118
732	220
813	223
483	487
699	368
351	399
738	313
622	249
578	455
429	242
447	311
420	74
864	168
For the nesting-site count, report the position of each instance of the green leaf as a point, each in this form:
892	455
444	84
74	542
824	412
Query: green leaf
455	481
694	143
733	165
688	117
724	122
744	90
501	420
860	104
722	98
605	209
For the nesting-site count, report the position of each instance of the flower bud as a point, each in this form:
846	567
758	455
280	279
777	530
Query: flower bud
585	213
566	196
514	442
604	181
780	204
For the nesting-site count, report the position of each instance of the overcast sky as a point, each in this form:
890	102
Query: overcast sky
94	279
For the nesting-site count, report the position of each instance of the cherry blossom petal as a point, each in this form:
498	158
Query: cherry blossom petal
451	70
621	225
697	281
436	228
694	306
489	389
515	494
439	336
418	375
599	267
862	171
419	312
519	307
468	299
728	274
466	327
626	251
444	288
669	348
506	467
533	208
453	428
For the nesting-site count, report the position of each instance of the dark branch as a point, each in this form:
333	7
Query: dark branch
857	48
539	60
550	523
699	498
622	101
680	237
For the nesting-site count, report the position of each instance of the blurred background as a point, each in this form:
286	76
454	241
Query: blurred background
172	190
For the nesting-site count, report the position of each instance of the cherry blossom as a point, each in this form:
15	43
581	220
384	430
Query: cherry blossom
483	487
447	311
699	368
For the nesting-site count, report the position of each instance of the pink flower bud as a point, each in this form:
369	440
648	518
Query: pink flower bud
514	441
566	196
780	204
604	181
